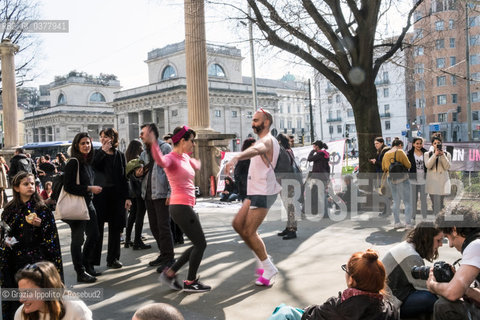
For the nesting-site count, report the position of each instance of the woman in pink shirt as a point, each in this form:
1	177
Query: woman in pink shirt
180	170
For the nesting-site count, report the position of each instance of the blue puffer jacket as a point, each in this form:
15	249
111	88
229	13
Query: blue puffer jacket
160	185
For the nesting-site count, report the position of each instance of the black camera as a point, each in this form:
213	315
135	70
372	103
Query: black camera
439	146
442	271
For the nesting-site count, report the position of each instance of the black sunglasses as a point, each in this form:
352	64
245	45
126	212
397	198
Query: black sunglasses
344	268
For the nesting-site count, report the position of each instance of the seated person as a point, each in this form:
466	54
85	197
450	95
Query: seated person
363	299
346	195
458	299
411	294
157	311
44	275
230	191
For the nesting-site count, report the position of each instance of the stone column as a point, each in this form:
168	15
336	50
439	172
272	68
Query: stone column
9	93
196	63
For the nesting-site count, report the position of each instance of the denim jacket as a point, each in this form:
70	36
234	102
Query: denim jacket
160	185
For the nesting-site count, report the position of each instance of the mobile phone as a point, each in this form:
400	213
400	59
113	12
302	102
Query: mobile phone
439	146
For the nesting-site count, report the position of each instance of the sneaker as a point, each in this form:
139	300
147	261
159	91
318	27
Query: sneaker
171	282
195	286
398	225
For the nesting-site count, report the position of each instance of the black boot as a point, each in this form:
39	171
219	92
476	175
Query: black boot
91	271
85	277
283	233
141	246
290	235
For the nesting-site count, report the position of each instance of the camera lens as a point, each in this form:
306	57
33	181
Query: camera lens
420	272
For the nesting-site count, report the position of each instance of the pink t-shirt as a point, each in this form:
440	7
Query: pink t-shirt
180	170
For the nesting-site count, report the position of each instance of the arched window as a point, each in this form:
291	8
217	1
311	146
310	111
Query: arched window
97	97
215	70
61	99
168	73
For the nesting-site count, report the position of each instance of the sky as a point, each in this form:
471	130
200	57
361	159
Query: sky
114	37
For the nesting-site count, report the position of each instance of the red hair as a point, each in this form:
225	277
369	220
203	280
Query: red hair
367	271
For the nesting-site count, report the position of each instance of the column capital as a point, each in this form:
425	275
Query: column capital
8	48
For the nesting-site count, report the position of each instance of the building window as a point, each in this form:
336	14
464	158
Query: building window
282	123
440	44
451	24
61	99
339	128
473	21
218	113
475	97
298	109
417	16
299	123
97	97
439	25
452	42
454	98
475	116
339	114
441	81
419	85
289	124
418	51
442	99
337	98
330	100
453	61
419	68
174	113
474	40
442	117
453	79
385	92
249	114
454	117
330	129
418	34
168	73
386	108
440	62
234	114
474	59
215	70
387	125
350	113
289	109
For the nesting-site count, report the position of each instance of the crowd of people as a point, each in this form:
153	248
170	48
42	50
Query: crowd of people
157	178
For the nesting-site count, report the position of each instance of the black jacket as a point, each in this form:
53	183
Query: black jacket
16	166
411	158
355	308
70	179
119	177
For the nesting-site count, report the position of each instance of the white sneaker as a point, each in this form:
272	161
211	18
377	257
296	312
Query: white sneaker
398	225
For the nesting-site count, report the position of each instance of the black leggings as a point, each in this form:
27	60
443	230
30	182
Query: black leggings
188	221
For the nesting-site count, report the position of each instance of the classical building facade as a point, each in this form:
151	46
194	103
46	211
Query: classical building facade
69	105
164	100
337	119
440	68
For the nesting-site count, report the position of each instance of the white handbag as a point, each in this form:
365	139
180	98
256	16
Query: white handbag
70	206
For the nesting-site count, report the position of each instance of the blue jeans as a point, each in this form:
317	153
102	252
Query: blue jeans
418	303
401	191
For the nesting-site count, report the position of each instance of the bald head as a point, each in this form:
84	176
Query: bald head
265	116
157	311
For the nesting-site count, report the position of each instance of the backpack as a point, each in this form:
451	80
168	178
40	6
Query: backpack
24	165
285	166
397	171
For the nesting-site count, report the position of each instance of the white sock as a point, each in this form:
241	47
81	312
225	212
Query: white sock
269	269
258	263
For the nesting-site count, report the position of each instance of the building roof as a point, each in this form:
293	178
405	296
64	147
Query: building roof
180	47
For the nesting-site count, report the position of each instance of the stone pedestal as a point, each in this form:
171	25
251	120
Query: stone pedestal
208	140
9	94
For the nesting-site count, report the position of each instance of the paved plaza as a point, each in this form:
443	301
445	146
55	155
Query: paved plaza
309	266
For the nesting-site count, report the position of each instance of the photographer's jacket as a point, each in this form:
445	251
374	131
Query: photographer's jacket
438	180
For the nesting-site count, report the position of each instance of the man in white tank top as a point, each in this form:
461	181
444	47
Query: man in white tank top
262	190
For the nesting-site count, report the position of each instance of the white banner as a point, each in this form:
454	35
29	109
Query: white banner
335	148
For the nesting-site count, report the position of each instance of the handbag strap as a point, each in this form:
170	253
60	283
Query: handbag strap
78	170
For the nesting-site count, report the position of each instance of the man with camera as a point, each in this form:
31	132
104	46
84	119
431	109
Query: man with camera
458	299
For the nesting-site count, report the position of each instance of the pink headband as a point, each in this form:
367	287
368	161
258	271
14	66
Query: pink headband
179	135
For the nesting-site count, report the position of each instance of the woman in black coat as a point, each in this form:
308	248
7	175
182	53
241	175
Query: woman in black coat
418	170
82	150
112	203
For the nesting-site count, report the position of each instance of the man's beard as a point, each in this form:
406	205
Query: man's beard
259	128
